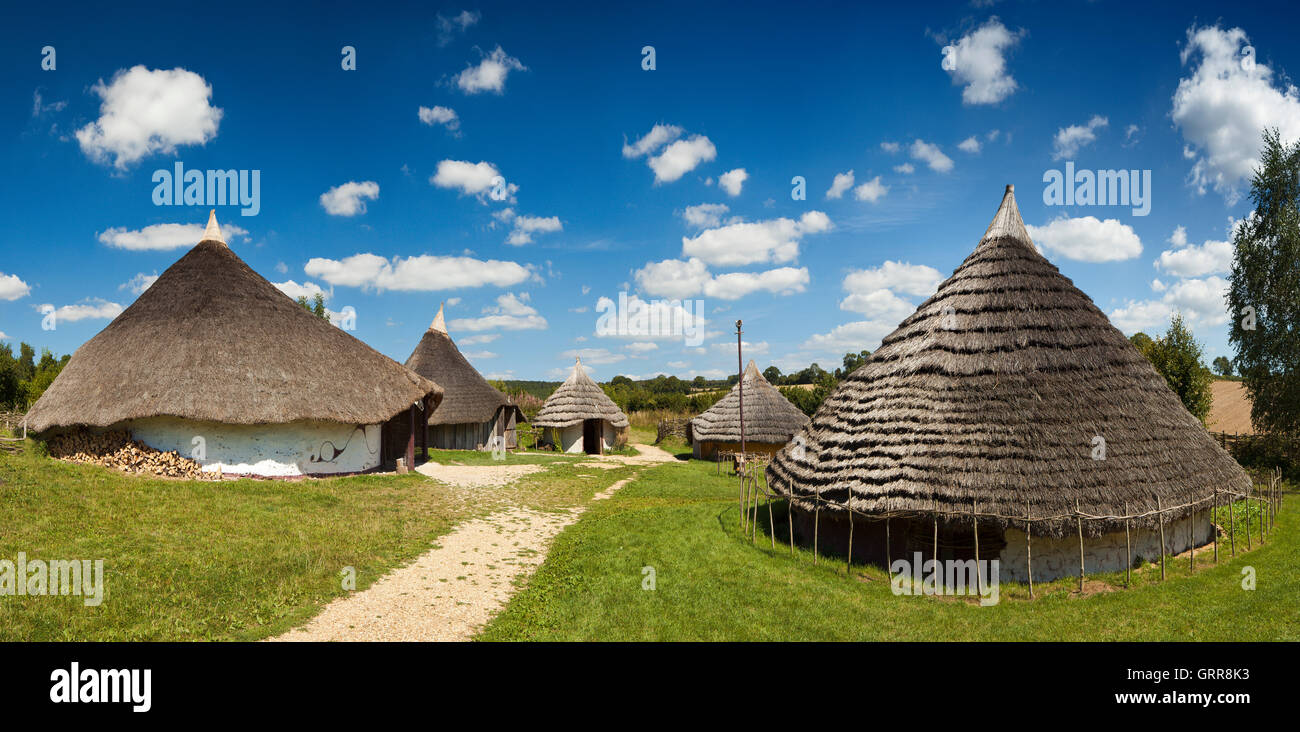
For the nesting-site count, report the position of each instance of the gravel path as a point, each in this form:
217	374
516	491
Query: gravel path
450	592
476	476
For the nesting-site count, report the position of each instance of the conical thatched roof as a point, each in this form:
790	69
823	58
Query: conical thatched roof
578	398
212	340
468	396
769	416
995	391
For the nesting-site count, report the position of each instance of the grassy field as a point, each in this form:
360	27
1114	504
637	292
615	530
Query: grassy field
712	584
236	560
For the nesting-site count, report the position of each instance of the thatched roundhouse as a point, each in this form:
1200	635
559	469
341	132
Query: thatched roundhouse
214	362
1009	393
770	419
471	412
580	417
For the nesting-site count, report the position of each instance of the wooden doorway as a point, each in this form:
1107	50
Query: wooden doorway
591	436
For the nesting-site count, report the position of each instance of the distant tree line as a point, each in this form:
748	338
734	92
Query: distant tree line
23	379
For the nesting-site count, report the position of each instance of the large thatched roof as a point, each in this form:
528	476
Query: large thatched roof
769	416
212	340
578	398
468	398
995	391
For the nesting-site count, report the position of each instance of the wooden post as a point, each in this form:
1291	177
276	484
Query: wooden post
1160	516
848	563
1029	549
1128	550
410	440
1191	542
1232	523
1078	519
888	558
742	501
753	536
771	524
740	388
975	525
1248	542
935	555
1214	525
790	512
817	516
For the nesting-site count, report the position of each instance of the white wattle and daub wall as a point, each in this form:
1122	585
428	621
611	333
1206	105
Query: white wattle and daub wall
271	450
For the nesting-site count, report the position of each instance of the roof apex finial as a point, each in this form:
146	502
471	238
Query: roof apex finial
213	231
439	324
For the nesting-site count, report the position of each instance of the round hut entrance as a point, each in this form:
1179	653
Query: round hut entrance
591	436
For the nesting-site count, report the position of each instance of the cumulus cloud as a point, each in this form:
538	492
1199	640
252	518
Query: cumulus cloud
161	237
1191	260
93	308
1087	239
308	290
657	137
904	277
1068	140
511	312
349	199
732	181
449	28
436	115
970	145
139	283
977	61
1223	106
475	340
526	226
12	287
642	347
146	111
1201	302
681	157
598	356
853	336
472	179
875	293
841	183
931	155
742	243
423	273
904	168
705	215
891	147
490	73
871	191
675	278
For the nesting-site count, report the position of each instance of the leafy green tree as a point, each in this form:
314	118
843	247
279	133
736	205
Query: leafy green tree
1177	356
10	383
1264	290
1142	342
852	362
316	306
772	374
1222	366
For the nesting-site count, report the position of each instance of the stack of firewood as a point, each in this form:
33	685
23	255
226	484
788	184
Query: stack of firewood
116	449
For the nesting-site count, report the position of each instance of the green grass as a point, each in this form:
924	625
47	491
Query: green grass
712	584
235	560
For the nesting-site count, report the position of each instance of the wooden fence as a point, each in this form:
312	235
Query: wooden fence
667	427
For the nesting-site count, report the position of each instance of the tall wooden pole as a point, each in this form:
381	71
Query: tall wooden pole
1128	550
1214	525
975	524
1160	517
1029	549
740	390
1078	518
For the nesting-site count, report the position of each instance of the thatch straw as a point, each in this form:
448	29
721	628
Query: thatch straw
577	399
994	390
212	340
468	397
769	417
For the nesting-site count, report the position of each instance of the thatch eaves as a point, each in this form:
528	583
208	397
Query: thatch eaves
769	416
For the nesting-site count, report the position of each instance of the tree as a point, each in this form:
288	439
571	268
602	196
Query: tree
1177	356
1264	290
852	362
315	307
9	381
772	374
1222	366
1141	341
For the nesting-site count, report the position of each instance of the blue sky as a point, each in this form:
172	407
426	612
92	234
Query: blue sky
554	99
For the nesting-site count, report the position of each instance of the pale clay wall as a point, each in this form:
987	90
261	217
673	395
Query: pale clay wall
295	448
570	438
1054	558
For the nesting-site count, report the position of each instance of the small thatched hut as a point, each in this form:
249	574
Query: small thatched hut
770	419
580	417
216	363
1008	393
471	412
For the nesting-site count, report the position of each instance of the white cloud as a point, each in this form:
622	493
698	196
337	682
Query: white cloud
977	61
729	347
681	157
448	28
1068	140
161	237
674	278
735	285
970	145
415	274
1158	285
472	179
1086	239
931	155
642	346
878	304
1201	301
905	168
436	115
490	74
891	147
89	309
851	337
149	111
525	226
904	277
308	290
478	355
1185	260
871	191
742	243
732	181
348	199
475	340
649	320
12	287
705	214
139	283
598	356
1224	105
657	137
842	182
511	312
